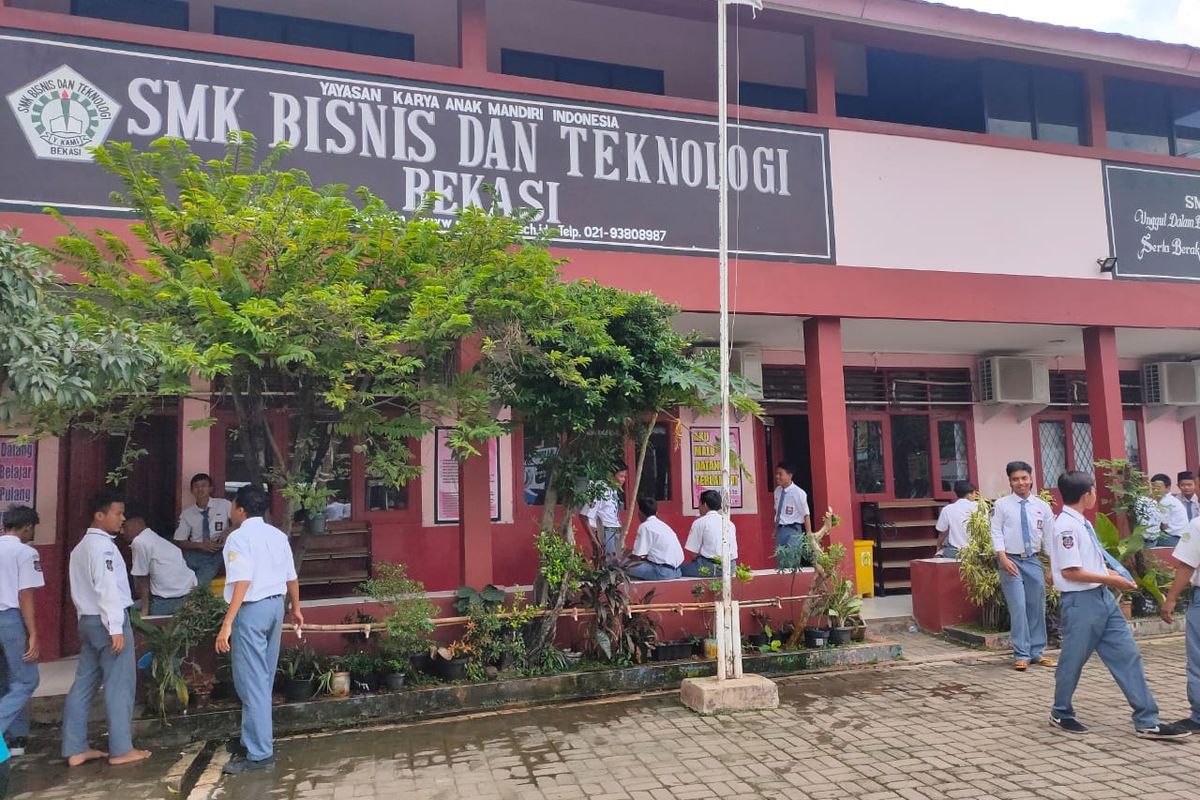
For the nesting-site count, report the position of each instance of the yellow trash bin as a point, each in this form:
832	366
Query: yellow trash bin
864	566
218	587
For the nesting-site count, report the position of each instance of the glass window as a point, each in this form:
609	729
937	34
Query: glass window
1133	448
868	457
1008	99
917	89
910	455
385	497
237	474
656	472
1059	106
582	72
952	453
313	33
1186	111
765	95
1081	444
1137	116
1052	441
537	452
159	13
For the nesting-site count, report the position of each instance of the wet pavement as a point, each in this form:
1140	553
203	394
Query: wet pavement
941	729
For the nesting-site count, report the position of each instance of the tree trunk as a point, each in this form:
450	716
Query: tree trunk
643	448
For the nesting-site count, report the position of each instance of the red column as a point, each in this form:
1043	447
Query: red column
1097	118
821	85
1191	445
472	35
829	436
1104	400
474	500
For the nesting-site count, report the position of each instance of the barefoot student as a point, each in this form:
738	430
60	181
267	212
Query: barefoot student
1091	620
100	592
258	572
1019	521
20	575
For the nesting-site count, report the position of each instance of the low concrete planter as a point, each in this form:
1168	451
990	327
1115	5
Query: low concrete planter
1141	627
449	700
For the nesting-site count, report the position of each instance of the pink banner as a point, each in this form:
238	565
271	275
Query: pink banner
446	494
18	474
706	464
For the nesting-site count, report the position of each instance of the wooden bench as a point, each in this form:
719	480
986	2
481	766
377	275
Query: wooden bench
338	560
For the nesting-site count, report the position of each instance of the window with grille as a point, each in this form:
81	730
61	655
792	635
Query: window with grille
915	389
785	384
1065	442
1068	388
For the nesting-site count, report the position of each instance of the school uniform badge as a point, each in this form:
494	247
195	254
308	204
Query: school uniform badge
108	564
37	565
1068	541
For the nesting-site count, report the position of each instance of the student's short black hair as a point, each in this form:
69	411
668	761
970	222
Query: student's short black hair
102	502
1017	466
252	500
134	511
711	499
787	467
963	488
200	476
1074	484
18	517
647	505
1163	478
619	466
1186	475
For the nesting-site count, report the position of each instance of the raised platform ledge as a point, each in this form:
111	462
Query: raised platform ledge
713	696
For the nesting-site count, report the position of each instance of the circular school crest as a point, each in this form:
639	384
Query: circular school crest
62	114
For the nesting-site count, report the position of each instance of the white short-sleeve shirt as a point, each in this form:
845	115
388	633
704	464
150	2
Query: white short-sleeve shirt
1071	545
20	568
705	536
99	585
162	562
954	518
658	543
1006	523
1173	514
605	512
261	554
1188	549
191	521
794	508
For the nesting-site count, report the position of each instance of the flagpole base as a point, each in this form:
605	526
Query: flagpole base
716	696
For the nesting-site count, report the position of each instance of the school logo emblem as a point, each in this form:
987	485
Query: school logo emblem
62	114
1068	542
108	564
37	565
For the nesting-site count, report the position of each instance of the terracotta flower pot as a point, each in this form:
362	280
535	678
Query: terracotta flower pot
340	685
1127	608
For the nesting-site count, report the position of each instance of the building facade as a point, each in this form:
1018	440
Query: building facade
928	205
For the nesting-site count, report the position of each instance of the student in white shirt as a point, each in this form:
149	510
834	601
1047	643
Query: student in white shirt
100	592
1185	482
202	529
1172	516
704	539
656	548
792	517
161	576
1019	521
1091	619
258	573
1186	558
20	575
952	521
602	517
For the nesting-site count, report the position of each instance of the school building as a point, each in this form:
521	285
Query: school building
959	239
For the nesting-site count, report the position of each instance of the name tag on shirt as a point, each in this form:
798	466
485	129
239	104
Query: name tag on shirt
789	510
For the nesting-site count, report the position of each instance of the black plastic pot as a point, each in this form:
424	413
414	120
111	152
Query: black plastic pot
816	637
453	670
423	663
673	651
840	635
298	690
364	683
698	647
756	639
395	680
1144	606
858	633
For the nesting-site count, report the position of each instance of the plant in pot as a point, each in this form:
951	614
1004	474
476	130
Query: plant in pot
842	605
452	661
169	647
335	679
364	672
979	571
495	634
409	622
803	553
298	669
395	671
763	620
311	501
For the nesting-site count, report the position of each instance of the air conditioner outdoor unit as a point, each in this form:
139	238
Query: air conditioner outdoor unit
746	363
1014	380
1171	383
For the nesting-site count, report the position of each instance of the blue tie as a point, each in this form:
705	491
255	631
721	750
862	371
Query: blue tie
1026	536
1113	564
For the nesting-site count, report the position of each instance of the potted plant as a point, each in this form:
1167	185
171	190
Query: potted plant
298	668
763	620
409	622
169	647
395	672
452	661
337	678
364	672
802	554
858	627
842	604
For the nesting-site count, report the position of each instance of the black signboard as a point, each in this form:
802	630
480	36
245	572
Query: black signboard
1153	221
604	176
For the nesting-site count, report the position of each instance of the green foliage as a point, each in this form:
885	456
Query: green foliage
560	562
299	663
489	598
494	635
843	603
409	622
171	644
977	561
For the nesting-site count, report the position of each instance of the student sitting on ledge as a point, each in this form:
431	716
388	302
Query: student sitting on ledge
656	549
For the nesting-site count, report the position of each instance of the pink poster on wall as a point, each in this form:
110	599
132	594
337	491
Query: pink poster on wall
18	474
706	464
445	506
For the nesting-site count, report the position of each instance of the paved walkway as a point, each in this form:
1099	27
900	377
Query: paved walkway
967	728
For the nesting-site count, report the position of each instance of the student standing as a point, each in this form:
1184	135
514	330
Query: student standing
704	539
1185	482
160	573
20	575
602	517
1019	521
258	572
1187	570
1091	619
1172	516
952	521
656	548
791	507
100	592
202	529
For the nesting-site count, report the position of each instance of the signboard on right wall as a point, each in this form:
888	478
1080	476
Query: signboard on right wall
1153	221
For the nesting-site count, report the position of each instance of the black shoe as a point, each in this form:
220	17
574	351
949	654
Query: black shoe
17	746
1187	723
1068	724
238	766
236	749
1164	731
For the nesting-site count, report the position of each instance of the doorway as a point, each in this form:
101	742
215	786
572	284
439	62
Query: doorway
794	448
